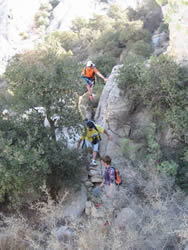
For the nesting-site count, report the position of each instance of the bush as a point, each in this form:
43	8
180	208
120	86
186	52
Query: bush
131	14
164	28
43	15
130	72
128	148
161	86
141	48
169	168
105	63
67	39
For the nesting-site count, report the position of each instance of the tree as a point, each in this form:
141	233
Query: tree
78	24
44	78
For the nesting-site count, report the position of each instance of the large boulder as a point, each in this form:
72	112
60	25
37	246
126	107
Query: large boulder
75	204
117	114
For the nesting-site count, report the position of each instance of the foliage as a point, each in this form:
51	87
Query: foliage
105	63
131	14
42	17
78	24
148	5
164	28
141	48
130	72
117	13
128	148
161	86
162	2
100	23
67	39
169	168
172	9
43	88
153	147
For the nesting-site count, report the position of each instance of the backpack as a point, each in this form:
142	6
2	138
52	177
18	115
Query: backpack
117	176
93	74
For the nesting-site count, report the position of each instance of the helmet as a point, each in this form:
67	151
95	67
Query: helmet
89	63
90	124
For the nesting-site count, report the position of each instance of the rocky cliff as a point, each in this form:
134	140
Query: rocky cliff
175	14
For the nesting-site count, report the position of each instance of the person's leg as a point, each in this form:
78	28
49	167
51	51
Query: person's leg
89	89
89	147
95	150
88	86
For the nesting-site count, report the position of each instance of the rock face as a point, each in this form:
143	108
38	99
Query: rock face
119	116
176	12
160	42
67	10
153	19
17	19
76	203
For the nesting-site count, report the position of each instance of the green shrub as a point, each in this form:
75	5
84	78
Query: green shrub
67	39
164	28
153	147
131	14
169	167
105	63
42	16
117	13
100	23
128	148
161	86
130	72
78	24
141	48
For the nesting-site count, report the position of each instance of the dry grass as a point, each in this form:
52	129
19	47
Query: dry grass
161	223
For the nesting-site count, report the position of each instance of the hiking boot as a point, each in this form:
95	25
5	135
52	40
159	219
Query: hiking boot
93	162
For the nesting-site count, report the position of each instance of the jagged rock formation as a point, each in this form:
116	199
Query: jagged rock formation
17	20
121	117
176	13
160	42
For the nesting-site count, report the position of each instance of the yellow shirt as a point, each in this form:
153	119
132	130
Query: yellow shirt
91	133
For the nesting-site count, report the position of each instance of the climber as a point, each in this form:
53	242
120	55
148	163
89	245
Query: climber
88	74
91	138
109	178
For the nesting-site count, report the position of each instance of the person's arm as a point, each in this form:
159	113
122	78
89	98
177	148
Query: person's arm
109	136
101	76
104	176
83	72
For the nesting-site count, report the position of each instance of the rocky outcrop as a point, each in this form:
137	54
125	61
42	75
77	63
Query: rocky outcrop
17	24
118	114
176	14
153	19
75	204
160	42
